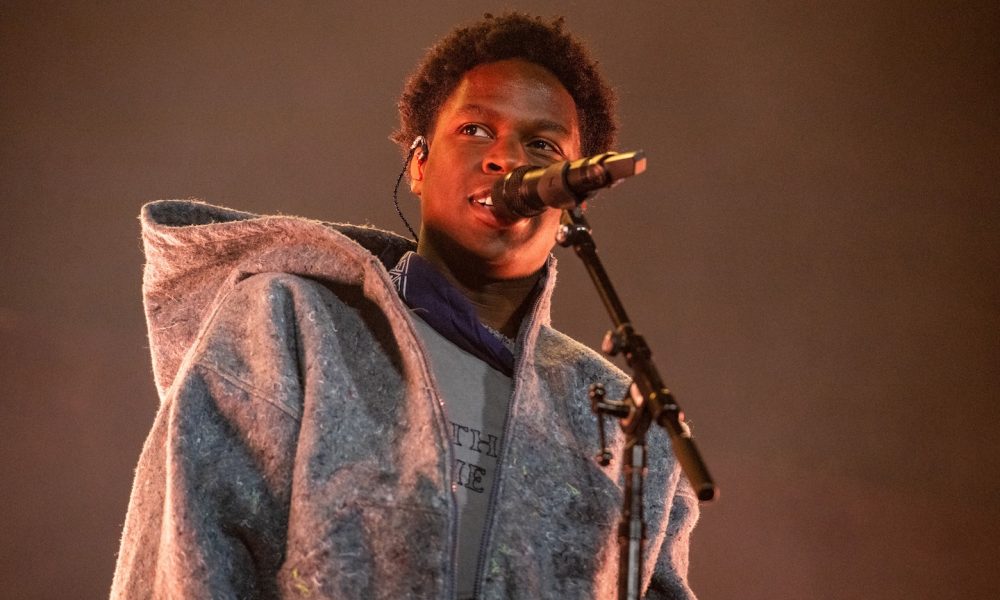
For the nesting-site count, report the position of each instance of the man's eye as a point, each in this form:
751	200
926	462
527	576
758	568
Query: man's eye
545	145
474	130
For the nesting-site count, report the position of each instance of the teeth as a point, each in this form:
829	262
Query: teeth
487	201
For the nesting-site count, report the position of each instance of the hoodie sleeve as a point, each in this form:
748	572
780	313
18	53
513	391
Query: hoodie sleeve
670	573
208	512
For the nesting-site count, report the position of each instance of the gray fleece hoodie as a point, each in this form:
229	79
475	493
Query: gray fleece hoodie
301	448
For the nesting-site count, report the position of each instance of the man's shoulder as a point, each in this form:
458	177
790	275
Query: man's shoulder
556	348
303	293
257	285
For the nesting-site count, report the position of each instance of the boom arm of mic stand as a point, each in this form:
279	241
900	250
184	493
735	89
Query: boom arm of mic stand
658	404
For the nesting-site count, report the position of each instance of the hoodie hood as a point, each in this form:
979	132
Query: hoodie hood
196	252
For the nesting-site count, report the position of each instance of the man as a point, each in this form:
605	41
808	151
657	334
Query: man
342	417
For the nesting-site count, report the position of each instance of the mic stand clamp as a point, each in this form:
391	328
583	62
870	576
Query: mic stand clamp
601	407
648	401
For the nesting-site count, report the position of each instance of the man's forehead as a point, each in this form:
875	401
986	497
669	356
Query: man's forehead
513	88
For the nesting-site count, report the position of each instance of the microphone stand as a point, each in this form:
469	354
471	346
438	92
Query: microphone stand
648	401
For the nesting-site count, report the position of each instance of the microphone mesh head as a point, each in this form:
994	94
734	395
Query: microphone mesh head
509	193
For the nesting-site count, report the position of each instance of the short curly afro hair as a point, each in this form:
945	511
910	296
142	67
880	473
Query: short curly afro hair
510	36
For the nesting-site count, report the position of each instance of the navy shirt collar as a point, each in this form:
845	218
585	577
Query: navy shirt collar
440	305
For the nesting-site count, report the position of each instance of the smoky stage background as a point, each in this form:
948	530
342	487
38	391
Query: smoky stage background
812	254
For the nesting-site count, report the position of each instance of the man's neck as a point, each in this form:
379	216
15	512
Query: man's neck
500	303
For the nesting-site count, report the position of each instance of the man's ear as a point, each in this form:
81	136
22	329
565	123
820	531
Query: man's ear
417	171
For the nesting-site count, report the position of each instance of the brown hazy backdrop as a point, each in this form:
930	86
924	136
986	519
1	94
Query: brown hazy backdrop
812	254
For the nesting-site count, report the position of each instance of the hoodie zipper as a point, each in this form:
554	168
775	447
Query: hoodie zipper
451	585
485	540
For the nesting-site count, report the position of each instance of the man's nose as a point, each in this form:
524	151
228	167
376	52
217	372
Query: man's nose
504	156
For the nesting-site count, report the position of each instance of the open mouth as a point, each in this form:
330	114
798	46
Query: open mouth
489	213
482	198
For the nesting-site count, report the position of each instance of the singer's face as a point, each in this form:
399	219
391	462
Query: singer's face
501	116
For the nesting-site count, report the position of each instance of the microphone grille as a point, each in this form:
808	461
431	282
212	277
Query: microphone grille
509	191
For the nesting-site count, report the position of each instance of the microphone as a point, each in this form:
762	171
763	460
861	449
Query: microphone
527	191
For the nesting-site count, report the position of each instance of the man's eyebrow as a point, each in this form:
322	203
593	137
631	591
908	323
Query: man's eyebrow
478	110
